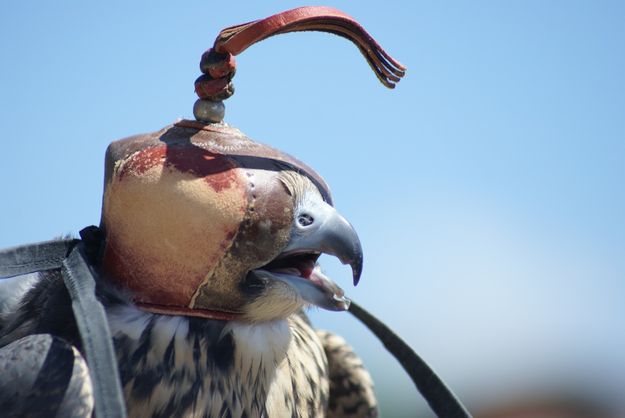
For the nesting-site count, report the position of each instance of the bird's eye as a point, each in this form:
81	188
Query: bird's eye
305	219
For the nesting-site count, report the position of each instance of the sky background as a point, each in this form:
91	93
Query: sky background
487	188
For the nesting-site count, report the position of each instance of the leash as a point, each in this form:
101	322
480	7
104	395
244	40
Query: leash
70	257
440	398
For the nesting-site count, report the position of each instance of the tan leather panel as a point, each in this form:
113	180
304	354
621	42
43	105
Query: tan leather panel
168	229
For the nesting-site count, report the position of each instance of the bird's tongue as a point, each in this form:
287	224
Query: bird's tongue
306	269
320	279
302	268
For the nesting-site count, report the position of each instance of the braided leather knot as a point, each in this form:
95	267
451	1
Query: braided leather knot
218	64
215	82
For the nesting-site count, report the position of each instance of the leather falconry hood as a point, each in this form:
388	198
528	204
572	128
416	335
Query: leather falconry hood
190	209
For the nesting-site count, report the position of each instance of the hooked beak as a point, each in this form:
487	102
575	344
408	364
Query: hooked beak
334	236
327	233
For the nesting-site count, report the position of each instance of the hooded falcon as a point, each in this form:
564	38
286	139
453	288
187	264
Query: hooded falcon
206	259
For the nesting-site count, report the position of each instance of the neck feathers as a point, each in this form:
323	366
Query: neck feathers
172	364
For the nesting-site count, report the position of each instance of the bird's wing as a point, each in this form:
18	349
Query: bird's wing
351	386
42	373
44	376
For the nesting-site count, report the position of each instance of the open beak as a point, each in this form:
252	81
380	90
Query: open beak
297	264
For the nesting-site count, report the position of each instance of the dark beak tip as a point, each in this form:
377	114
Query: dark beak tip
357	270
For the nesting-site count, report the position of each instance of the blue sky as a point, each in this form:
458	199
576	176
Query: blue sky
487	188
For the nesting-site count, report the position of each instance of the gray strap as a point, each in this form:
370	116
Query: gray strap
34	257
440	398
97	341
95	335
89	313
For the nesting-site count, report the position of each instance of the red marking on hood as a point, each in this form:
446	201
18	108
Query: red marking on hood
216	169
168	290
142	161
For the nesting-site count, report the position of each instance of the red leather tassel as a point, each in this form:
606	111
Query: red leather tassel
218	62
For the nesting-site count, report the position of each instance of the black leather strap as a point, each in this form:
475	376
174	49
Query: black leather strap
440	398
69	255
34	257
95	335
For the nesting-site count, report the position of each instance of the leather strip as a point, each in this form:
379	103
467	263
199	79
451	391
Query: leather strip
98	346
95	335
218	62
440	398
182	310
31	258
88	311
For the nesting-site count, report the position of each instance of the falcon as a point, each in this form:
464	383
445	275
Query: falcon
206	260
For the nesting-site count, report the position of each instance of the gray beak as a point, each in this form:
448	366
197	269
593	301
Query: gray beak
320	228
